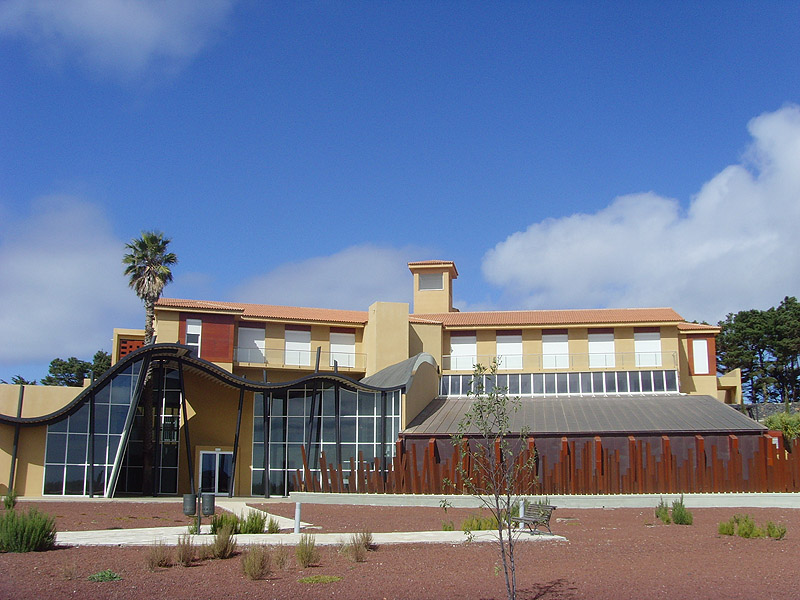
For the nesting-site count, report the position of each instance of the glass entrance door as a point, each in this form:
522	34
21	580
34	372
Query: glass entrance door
216	469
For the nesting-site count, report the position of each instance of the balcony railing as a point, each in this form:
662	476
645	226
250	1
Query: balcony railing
277	357
565	362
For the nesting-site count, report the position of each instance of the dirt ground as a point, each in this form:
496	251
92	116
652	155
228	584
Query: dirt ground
609	553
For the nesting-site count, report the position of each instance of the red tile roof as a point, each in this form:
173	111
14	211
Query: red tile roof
267	311
595	316
698	327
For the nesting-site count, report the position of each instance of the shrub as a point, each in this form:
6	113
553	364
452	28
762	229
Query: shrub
478	523
354	549
30	531
159	555
727	527
204	552
365	539
192	529
254	522
280	557
306	551
223	520
272	526
788	424
224	544
662	512
105	575
185	550
747	528
256	562
776	532
10	500
680	514
448	526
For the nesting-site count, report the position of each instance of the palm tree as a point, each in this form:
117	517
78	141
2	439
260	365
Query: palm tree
148	266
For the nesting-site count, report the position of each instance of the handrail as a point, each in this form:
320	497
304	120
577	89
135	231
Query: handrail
566	362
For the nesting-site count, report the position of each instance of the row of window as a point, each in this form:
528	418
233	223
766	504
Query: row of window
297	345
555	350
595	383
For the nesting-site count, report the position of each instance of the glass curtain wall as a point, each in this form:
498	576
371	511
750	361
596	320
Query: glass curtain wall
308	415
70	468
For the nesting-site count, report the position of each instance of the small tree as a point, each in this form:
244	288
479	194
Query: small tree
70	372
491	463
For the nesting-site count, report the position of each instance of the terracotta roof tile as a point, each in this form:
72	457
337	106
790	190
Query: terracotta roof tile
697	327
595	316
267	311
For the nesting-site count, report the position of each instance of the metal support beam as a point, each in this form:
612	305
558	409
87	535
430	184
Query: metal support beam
189	461
236	443
91	443
16	440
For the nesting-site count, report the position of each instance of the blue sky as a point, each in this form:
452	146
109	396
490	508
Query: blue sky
562	154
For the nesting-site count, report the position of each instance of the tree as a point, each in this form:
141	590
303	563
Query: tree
70	372
101	362
497	470
765	344
19	380
148	267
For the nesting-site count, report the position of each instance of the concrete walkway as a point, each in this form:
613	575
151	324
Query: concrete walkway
169	536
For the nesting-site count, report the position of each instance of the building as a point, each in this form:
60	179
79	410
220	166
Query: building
235	387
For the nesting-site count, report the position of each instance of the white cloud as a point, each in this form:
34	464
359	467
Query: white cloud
351	279
121	36
735	247
62	289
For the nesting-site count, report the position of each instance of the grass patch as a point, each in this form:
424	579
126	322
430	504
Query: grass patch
254	522
320	579
185	550
280	557
105	575
272	526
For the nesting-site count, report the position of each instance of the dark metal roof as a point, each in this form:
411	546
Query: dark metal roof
398	374
589	415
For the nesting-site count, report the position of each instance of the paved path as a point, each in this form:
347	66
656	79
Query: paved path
169	536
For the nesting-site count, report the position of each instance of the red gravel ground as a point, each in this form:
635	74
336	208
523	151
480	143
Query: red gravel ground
619	553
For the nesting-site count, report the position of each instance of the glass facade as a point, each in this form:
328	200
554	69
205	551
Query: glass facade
77	464
366	422
595	383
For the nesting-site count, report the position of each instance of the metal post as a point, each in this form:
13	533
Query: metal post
267	405
186	432
91	442
297	517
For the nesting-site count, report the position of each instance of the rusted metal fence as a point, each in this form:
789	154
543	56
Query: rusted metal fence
578	466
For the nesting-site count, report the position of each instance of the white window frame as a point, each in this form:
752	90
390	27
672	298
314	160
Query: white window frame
647	348
463	352
601	350
509	351
297	351
194	327
343	349
555	350
700	356
431	281
251	345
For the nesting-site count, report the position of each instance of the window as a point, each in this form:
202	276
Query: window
555	351
647	346
343	349
431	281
194	328
700	356
298	347
509	350
463	352
601	350
251	345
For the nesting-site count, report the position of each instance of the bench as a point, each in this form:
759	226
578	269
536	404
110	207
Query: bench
535	516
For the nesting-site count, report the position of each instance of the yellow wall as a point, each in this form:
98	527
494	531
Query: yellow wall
426	337
38	400
386	335
30	459
212	411
424	387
